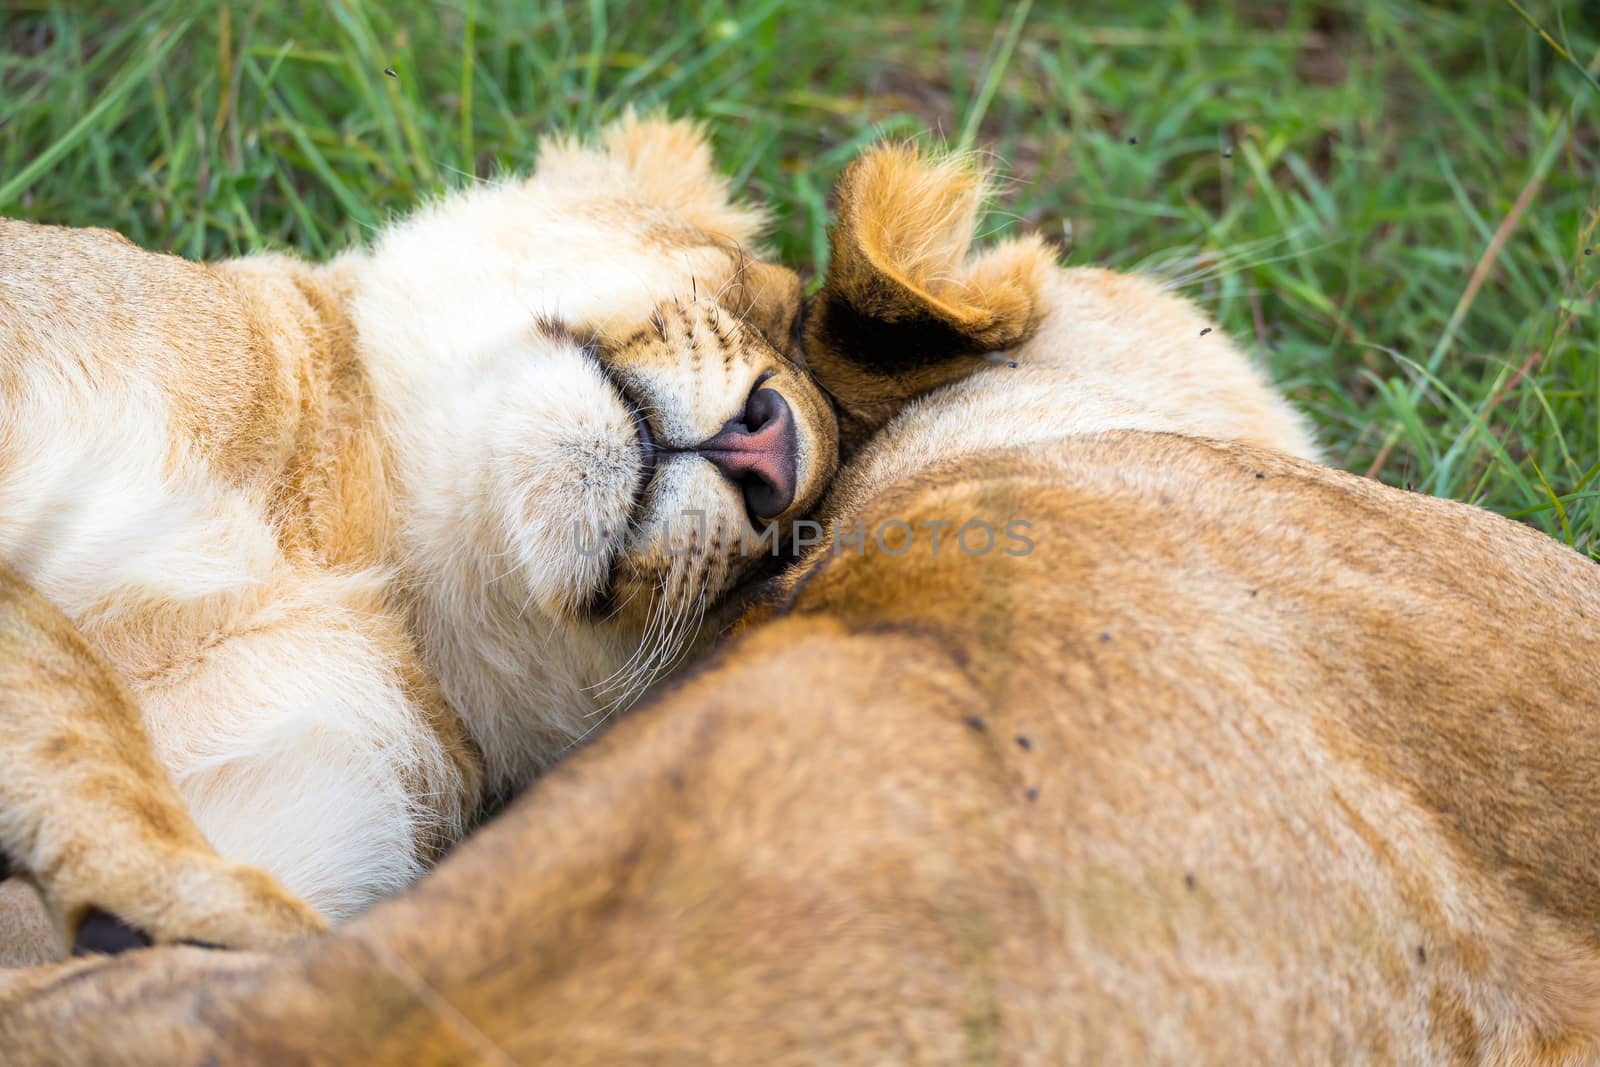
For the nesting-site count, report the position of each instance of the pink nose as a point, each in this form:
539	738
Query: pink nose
756	452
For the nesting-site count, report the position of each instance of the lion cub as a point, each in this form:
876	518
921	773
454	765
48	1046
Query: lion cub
368	540
1250	762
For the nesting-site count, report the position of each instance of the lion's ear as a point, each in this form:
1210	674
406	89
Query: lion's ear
671	164
767	297
906	307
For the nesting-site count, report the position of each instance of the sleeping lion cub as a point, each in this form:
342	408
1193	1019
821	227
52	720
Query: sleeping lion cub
1246	761
369	540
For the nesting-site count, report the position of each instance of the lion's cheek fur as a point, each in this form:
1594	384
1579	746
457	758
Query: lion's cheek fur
538	464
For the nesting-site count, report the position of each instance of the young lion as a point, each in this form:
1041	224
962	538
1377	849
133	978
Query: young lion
367	540
1247	761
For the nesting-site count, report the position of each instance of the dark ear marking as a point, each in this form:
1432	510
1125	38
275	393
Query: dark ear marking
908	305
914	340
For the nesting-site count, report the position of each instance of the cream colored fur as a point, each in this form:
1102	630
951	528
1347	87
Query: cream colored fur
486	431
1112	352
336	525
1076	350
1249	761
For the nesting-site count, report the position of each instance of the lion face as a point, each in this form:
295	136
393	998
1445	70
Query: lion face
643	474
733	441
598	423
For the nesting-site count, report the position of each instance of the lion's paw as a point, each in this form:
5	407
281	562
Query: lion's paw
187	897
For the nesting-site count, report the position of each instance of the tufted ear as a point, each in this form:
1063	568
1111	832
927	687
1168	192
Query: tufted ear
906	306
671	164
656	162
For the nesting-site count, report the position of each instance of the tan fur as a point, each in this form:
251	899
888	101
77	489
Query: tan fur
901	270
909	307
326	522
88	815
25	925
1246	761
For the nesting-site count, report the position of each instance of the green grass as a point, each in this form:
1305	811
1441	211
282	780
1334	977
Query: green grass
1390	201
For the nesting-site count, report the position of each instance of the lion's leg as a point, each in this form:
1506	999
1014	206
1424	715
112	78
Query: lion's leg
323	755
89	816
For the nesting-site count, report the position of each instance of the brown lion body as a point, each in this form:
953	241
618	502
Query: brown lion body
1207	777
1245	761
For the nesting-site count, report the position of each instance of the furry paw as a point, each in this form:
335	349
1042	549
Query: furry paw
93	821
191	898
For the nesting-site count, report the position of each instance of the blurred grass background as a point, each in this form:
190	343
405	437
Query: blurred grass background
1391	202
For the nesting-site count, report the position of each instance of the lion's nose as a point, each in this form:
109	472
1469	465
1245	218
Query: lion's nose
756	451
